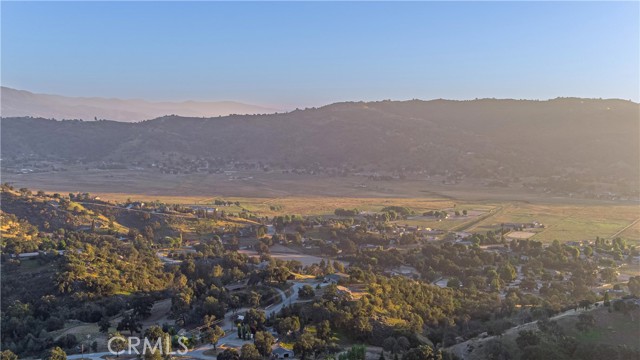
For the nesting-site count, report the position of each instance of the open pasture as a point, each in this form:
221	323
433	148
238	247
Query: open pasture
568	222
269	194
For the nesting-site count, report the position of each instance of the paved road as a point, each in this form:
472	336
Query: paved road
167	260
284	301
231	336
294	298
92	356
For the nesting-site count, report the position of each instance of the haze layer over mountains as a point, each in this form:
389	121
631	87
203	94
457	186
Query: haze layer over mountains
25	103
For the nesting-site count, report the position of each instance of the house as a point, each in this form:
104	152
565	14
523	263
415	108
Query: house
497	249
441	282
32	255
464	242
278	352
206	209
335	278
53	204
246	231
516	226
519	226
370	247
135	205
344	292
574	243
406	271
240	285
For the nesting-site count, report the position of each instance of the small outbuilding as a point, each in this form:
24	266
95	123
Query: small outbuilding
278	352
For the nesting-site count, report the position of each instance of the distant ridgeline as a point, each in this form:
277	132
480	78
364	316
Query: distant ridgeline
586	139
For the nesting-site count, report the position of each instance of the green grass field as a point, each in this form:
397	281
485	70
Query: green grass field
569	222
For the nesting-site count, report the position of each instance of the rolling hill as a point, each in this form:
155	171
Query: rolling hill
488	138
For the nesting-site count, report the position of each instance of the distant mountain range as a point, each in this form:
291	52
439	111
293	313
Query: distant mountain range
585	139
24	103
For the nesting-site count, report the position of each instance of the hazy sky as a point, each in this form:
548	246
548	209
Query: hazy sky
307	54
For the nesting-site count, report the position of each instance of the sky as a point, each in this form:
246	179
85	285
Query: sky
299	54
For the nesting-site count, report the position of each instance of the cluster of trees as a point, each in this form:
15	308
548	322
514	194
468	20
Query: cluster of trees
392	307
324	268
98	266
219	202
34	224
199	282
83	284
212	334
489	238
437	214
306	292
401	211
346	212
554	278
282	221
19	236
618	248
247	352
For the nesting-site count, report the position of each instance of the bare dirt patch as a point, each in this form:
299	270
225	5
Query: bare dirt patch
520	234
283	253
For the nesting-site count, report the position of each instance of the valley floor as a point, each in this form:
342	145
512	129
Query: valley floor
275	184
566	218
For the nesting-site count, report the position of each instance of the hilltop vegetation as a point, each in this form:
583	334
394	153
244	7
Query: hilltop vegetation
53	212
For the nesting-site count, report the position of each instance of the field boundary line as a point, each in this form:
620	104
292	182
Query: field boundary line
474	222
624	228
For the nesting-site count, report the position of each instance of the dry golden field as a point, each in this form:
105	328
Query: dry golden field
271	194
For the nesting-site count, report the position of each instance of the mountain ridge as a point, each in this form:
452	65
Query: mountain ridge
489	138
16	103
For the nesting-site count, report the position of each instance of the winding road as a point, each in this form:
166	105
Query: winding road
231	338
